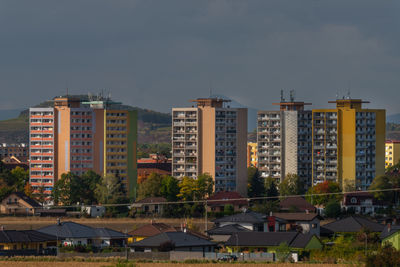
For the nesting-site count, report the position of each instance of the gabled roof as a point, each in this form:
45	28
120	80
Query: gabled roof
353	224
25	198
227	229
389	230
295	216
180	239
25	236
76	230
152	229
269	239
298	202
244	217
223	197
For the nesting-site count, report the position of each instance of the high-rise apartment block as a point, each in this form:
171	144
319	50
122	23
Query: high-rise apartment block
392	153
284	141
211	138
75	136
348	144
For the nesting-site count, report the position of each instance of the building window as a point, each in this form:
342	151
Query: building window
353	200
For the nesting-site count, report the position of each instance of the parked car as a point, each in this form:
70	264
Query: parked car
228	258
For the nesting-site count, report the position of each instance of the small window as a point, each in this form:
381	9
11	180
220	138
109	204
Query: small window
353	200
314	225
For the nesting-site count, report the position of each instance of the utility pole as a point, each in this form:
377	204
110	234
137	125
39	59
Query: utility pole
205	217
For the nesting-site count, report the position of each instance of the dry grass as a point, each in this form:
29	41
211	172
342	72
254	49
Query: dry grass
118	224
101	264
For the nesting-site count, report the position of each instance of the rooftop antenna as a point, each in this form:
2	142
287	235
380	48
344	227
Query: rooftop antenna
282	98
337	94
210	88
66	84
348	93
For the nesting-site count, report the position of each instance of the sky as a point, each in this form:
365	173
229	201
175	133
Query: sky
158	54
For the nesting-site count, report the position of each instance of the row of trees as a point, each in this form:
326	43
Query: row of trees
13	180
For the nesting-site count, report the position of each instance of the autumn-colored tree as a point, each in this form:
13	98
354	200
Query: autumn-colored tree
317	195
291	185
28	189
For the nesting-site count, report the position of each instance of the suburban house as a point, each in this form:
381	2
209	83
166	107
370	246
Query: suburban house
27	240
217	202
362	203
175	241
248	219
222	234
301	222
94	211
296	204
351	224
150	205
391	234
269	241
149	230
18	203
71	233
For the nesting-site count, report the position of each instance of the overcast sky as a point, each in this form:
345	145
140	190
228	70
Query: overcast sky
160	54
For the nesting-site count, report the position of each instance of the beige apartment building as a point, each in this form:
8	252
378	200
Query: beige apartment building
211	138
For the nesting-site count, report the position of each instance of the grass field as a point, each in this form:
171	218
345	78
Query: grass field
122	224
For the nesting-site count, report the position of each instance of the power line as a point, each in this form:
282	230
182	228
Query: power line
225	200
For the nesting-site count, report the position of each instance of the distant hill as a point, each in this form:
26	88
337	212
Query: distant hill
6	114
153	126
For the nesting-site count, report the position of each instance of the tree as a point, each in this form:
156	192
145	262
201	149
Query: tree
324	188
332	209
270	188
291	185
169	188
229	209
89	182
67	190
283	252
204	186
255	185
19	177
109	191
150	187
28	189
186	188
40	195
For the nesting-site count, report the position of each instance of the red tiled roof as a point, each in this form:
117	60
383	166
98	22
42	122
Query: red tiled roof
152	229
298	202
226	198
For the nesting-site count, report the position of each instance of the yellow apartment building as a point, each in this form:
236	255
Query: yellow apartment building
392	153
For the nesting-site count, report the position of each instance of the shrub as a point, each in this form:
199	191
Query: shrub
385	257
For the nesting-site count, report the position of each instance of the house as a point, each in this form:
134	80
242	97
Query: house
26	240
248	219
11	162
149	230
94	211
71	233
269	241
18	203
150	205
351	224
217	202
222	234
391	234
176	241
296	204
362	203
294	221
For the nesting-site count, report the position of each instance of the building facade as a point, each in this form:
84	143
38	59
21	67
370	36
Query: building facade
16	150
392	153
77	137
348	144
252	158
284	141
211	138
